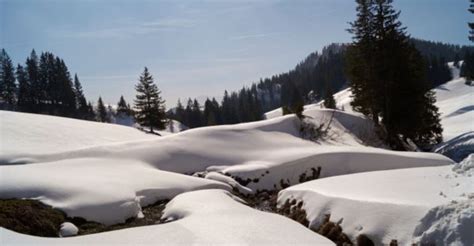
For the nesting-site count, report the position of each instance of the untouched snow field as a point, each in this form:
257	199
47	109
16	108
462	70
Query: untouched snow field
23	133
210	217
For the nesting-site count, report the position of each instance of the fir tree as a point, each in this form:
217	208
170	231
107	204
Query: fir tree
81	103
329	101
122	107
150	109
397	81
102	115
37	91
7	80
25	102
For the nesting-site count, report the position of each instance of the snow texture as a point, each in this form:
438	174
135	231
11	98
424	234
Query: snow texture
208	217
68	229
388	205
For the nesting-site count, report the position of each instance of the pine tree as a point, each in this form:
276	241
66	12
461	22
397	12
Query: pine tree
397	78
7	81
37	92
456	60
102	115
81	103
25	103
90	112
150	109
329	101
122	107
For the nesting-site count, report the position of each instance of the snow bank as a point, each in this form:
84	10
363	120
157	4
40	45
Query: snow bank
104	190
208	217
267	152
23	133
388	205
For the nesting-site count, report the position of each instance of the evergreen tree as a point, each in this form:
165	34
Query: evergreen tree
7	81
25	103
102	115
456	61
90	112
81	103
329	101
37	91
397	78
122	107
150	109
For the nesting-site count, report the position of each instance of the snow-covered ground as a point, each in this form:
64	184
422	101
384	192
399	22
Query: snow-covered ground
106	173
408	205
23	133
210	217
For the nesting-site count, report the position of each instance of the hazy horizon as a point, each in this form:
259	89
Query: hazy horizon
197	48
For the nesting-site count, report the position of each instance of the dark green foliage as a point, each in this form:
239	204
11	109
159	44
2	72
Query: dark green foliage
30	217
329	101
150	107
123	109
438	71
467	69
25	102
7	81
387	75
81	103
102	115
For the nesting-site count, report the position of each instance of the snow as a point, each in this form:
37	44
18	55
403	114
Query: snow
207	217
386	205
104	190
68	229
269	151
24	133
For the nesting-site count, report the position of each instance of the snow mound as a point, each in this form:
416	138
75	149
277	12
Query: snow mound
207	217
68	229
450	224
104	190
23	133
383	205
466	166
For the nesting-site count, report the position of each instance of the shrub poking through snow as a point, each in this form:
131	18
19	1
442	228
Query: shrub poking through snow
30	217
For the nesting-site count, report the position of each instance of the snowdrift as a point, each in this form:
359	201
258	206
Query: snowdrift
427	205
23	133
210	217
108	191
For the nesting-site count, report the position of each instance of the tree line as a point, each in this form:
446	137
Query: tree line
44	85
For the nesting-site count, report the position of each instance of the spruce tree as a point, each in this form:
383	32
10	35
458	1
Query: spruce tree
122	107
397	89
25	102
150	108
7	81
102	115
329	101
81	103
37	92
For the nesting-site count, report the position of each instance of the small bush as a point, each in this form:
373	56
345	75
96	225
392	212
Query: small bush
30	217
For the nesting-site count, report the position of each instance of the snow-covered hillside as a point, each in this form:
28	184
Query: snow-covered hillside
107	173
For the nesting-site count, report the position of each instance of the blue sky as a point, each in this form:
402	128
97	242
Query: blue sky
197	48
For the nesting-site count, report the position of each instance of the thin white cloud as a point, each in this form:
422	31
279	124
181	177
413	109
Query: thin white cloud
133	28
254	36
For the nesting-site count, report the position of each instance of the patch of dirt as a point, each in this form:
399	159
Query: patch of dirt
30	217
35	218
